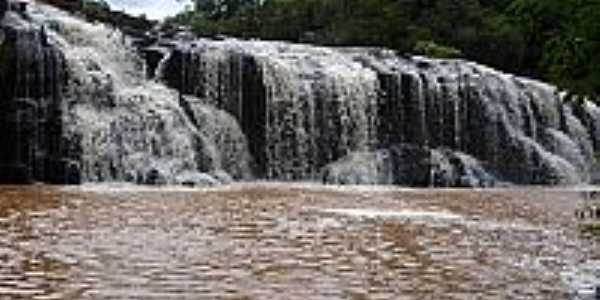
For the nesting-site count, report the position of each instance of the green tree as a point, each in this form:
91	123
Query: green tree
564	41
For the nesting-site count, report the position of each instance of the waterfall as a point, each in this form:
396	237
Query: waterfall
347	114
302	107
128	128
84	105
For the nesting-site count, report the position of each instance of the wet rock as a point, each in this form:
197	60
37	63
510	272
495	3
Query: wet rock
409	165
589	114
153	57
222	177
21	7
468	171
32	80
195	179
155	176
595	176
3	8
15	173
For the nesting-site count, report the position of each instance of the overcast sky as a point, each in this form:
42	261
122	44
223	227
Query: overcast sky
154	9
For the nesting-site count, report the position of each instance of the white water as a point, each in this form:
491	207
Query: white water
400	214
338	108
129	127
350	116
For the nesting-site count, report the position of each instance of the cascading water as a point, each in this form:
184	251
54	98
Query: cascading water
123	127
441	122
278	110
302	107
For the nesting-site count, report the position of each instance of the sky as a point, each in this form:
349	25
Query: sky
154	9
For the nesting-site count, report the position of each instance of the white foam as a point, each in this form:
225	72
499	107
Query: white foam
118	187
402	214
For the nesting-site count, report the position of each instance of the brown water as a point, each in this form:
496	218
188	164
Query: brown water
278	241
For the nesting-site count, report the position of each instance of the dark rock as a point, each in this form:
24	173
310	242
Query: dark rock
68	5
15	173
595	173
468	171
153	56
21	7
32	78
63	171
154	176
3	8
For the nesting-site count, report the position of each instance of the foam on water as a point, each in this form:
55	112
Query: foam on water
124	187
402	214
583	279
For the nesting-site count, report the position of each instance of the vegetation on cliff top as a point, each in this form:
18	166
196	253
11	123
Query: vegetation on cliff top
553	40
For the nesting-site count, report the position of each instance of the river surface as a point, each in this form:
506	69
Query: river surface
292	241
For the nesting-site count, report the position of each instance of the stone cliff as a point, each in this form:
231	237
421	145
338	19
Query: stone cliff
32	81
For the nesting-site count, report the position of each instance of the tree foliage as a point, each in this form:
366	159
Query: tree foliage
554	40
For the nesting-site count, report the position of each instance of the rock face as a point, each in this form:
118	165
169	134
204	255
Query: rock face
32	78
3	8
371	116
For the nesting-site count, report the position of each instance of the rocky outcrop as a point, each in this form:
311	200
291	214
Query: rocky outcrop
32	79
3	8
304	108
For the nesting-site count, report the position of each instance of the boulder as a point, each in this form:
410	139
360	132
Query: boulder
154	176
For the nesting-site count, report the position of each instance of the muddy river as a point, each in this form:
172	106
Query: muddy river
292	241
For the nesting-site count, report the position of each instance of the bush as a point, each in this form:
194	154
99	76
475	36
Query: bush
432	49
590	229
96	10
